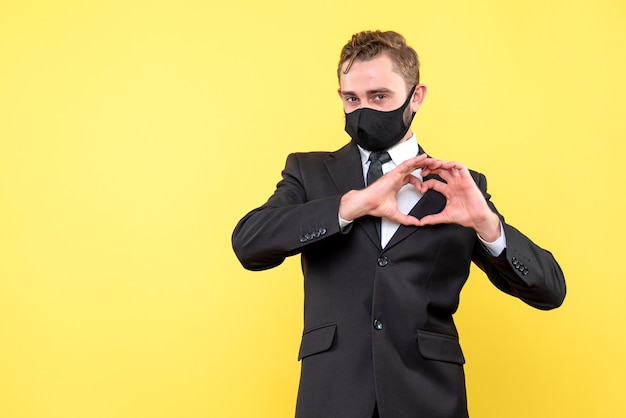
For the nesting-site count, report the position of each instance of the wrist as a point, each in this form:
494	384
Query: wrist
489	229
349	206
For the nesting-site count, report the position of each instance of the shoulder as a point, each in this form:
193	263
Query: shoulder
476	175
314	157
479	178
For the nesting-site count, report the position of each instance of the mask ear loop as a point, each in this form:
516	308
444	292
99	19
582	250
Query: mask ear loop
408	99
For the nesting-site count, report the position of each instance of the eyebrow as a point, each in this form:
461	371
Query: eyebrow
369	92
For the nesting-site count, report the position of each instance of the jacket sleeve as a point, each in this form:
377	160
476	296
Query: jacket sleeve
286	224
524	269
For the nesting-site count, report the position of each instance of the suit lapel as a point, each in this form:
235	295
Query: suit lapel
346	170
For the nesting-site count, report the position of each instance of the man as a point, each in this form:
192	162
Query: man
384	260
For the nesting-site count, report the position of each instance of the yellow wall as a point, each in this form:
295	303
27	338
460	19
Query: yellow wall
132	135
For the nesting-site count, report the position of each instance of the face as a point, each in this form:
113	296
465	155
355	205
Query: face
374	84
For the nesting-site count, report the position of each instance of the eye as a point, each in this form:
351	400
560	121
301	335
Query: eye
351	99
380	97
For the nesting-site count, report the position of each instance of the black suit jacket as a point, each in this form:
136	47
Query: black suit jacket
378	324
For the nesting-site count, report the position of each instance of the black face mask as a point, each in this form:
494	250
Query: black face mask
375	130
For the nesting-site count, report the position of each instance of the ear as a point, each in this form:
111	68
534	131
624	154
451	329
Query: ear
339	92
418	97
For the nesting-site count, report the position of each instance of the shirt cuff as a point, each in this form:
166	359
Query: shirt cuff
496	247
343	223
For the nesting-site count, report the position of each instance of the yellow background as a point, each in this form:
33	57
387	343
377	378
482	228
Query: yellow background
134	134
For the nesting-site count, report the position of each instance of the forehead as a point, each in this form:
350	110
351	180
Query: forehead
372	74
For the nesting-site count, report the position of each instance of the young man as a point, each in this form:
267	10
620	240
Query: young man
384	260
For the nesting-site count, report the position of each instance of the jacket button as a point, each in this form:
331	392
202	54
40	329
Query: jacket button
378	325
382	261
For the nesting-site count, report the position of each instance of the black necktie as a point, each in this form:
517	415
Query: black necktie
375	171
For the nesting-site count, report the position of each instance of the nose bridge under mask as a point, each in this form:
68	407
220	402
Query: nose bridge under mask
376	130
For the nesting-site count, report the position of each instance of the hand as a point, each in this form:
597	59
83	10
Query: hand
465	205
379	198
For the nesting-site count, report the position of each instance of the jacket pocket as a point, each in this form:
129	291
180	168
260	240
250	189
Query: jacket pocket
317	340
442	347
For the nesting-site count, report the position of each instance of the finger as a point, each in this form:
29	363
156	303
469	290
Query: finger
436	219
405	168
455	169
455	165
432	163
435	185
403	219
432	166
412	164
447	173
445	165
414	180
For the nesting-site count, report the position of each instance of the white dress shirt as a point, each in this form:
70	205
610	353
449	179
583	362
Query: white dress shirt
408	196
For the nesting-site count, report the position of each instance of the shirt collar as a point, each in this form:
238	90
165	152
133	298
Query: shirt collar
399	153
